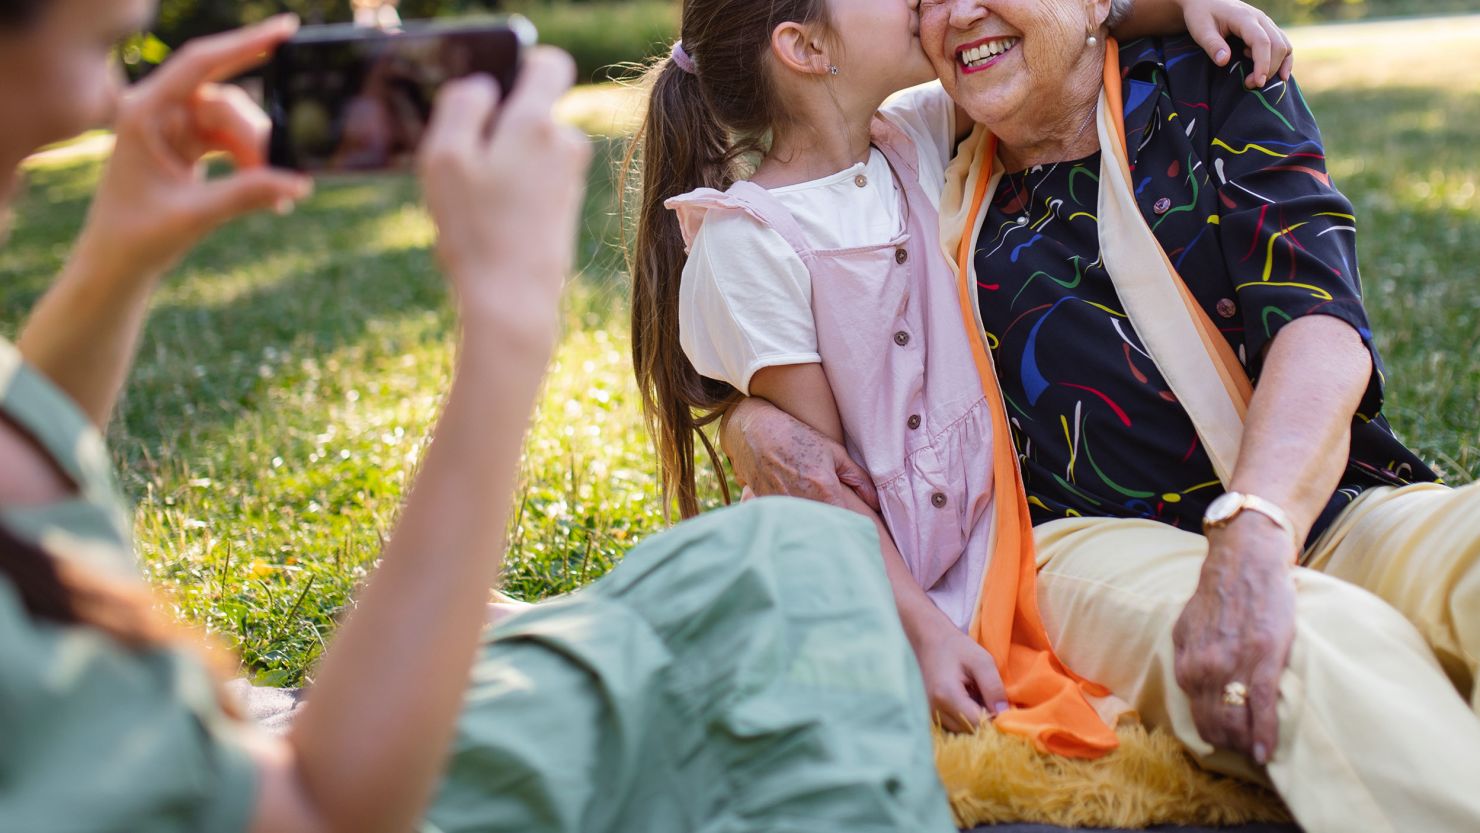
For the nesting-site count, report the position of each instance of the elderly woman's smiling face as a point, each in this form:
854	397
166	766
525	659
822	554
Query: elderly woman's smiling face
1009	59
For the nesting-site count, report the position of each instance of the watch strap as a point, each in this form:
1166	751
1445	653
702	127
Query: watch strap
1268	509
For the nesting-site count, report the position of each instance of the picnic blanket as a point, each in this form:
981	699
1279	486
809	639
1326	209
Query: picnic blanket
273	709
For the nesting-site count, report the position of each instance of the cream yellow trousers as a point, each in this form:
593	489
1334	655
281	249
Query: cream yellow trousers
1378	723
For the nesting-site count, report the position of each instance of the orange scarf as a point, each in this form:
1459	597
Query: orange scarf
1051	705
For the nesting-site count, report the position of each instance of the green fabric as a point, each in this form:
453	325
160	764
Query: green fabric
743	672
98	738
93	736
93	525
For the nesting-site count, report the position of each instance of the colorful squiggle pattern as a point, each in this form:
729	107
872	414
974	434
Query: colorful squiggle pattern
1234	185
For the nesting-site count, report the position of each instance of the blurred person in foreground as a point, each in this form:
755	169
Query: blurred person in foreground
690	687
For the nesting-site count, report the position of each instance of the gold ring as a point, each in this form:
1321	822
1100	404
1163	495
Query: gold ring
1236	694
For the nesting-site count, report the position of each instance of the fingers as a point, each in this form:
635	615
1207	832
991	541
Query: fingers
1284	48
460	118
223	56
1264	700
956	710
1222	725
226	119
1279	48
1202	672
1205	31
544	77
853	476
988	682
1261	50
248	191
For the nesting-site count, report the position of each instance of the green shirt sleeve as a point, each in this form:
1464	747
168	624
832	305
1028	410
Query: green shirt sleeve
96	737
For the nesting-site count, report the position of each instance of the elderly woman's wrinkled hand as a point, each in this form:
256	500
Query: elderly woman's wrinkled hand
1233	638
774	453
1210	22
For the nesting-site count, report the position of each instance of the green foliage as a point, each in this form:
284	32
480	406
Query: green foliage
1307	11
599	33
603	35
180	20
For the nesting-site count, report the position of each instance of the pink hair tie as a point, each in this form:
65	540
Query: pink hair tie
682	58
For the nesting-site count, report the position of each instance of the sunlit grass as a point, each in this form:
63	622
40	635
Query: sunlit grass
293	366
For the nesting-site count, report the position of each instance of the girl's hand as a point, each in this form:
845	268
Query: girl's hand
154	201
504	185
961	678
1211	21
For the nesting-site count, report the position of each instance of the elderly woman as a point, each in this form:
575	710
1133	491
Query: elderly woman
1163	282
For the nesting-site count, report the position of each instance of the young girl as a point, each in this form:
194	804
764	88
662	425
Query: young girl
787	248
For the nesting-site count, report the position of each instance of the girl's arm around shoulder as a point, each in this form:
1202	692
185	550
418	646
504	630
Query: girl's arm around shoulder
1210	22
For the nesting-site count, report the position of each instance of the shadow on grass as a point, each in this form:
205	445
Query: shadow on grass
252	302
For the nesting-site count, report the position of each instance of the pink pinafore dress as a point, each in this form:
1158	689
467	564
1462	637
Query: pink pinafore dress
913	411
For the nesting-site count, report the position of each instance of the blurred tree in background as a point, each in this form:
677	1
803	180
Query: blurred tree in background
599	33
180	20
603	34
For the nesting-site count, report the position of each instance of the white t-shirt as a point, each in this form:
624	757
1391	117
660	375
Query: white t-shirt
745	302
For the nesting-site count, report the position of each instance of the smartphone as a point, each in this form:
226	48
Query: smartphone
349	99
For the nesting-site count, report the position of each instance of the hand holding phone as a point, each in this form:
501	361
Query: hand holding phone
347	99
155	202
504	183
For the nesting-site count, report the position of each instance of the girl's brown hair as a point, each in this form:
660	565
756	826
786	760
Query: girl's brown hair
701	129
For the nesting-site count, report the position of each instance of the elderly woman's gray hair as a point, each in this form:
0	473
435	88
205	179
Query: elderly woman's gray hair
1120	10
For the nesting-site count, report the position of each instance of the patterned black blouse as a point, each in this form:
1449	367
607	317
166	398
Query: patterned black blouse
1233	183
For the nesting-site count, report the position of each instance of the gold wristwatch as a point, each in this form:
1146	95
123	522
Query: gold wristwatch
1229	505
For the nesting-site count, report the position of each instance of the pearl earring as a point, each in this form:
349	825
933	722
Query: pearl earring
1093	41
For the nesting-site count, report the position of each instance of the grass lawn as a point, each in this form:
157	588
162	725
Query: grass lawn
293	366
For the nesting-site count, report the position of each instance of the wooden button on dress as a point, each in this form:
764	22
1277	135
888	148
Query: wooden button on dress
901	338
1227	308
1162	206
860	180
938	500
900	256
913	422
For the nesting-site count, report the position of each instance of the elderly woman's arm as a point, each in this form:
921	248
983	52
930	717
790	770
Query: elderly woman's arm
1240	623
1287	238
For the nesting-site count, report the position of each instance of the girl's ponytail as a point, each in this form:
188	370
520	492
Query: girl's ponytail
710	106
682	146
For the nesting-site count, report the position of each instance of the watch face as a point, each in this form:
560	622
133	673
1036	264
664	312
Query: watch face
1225	507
